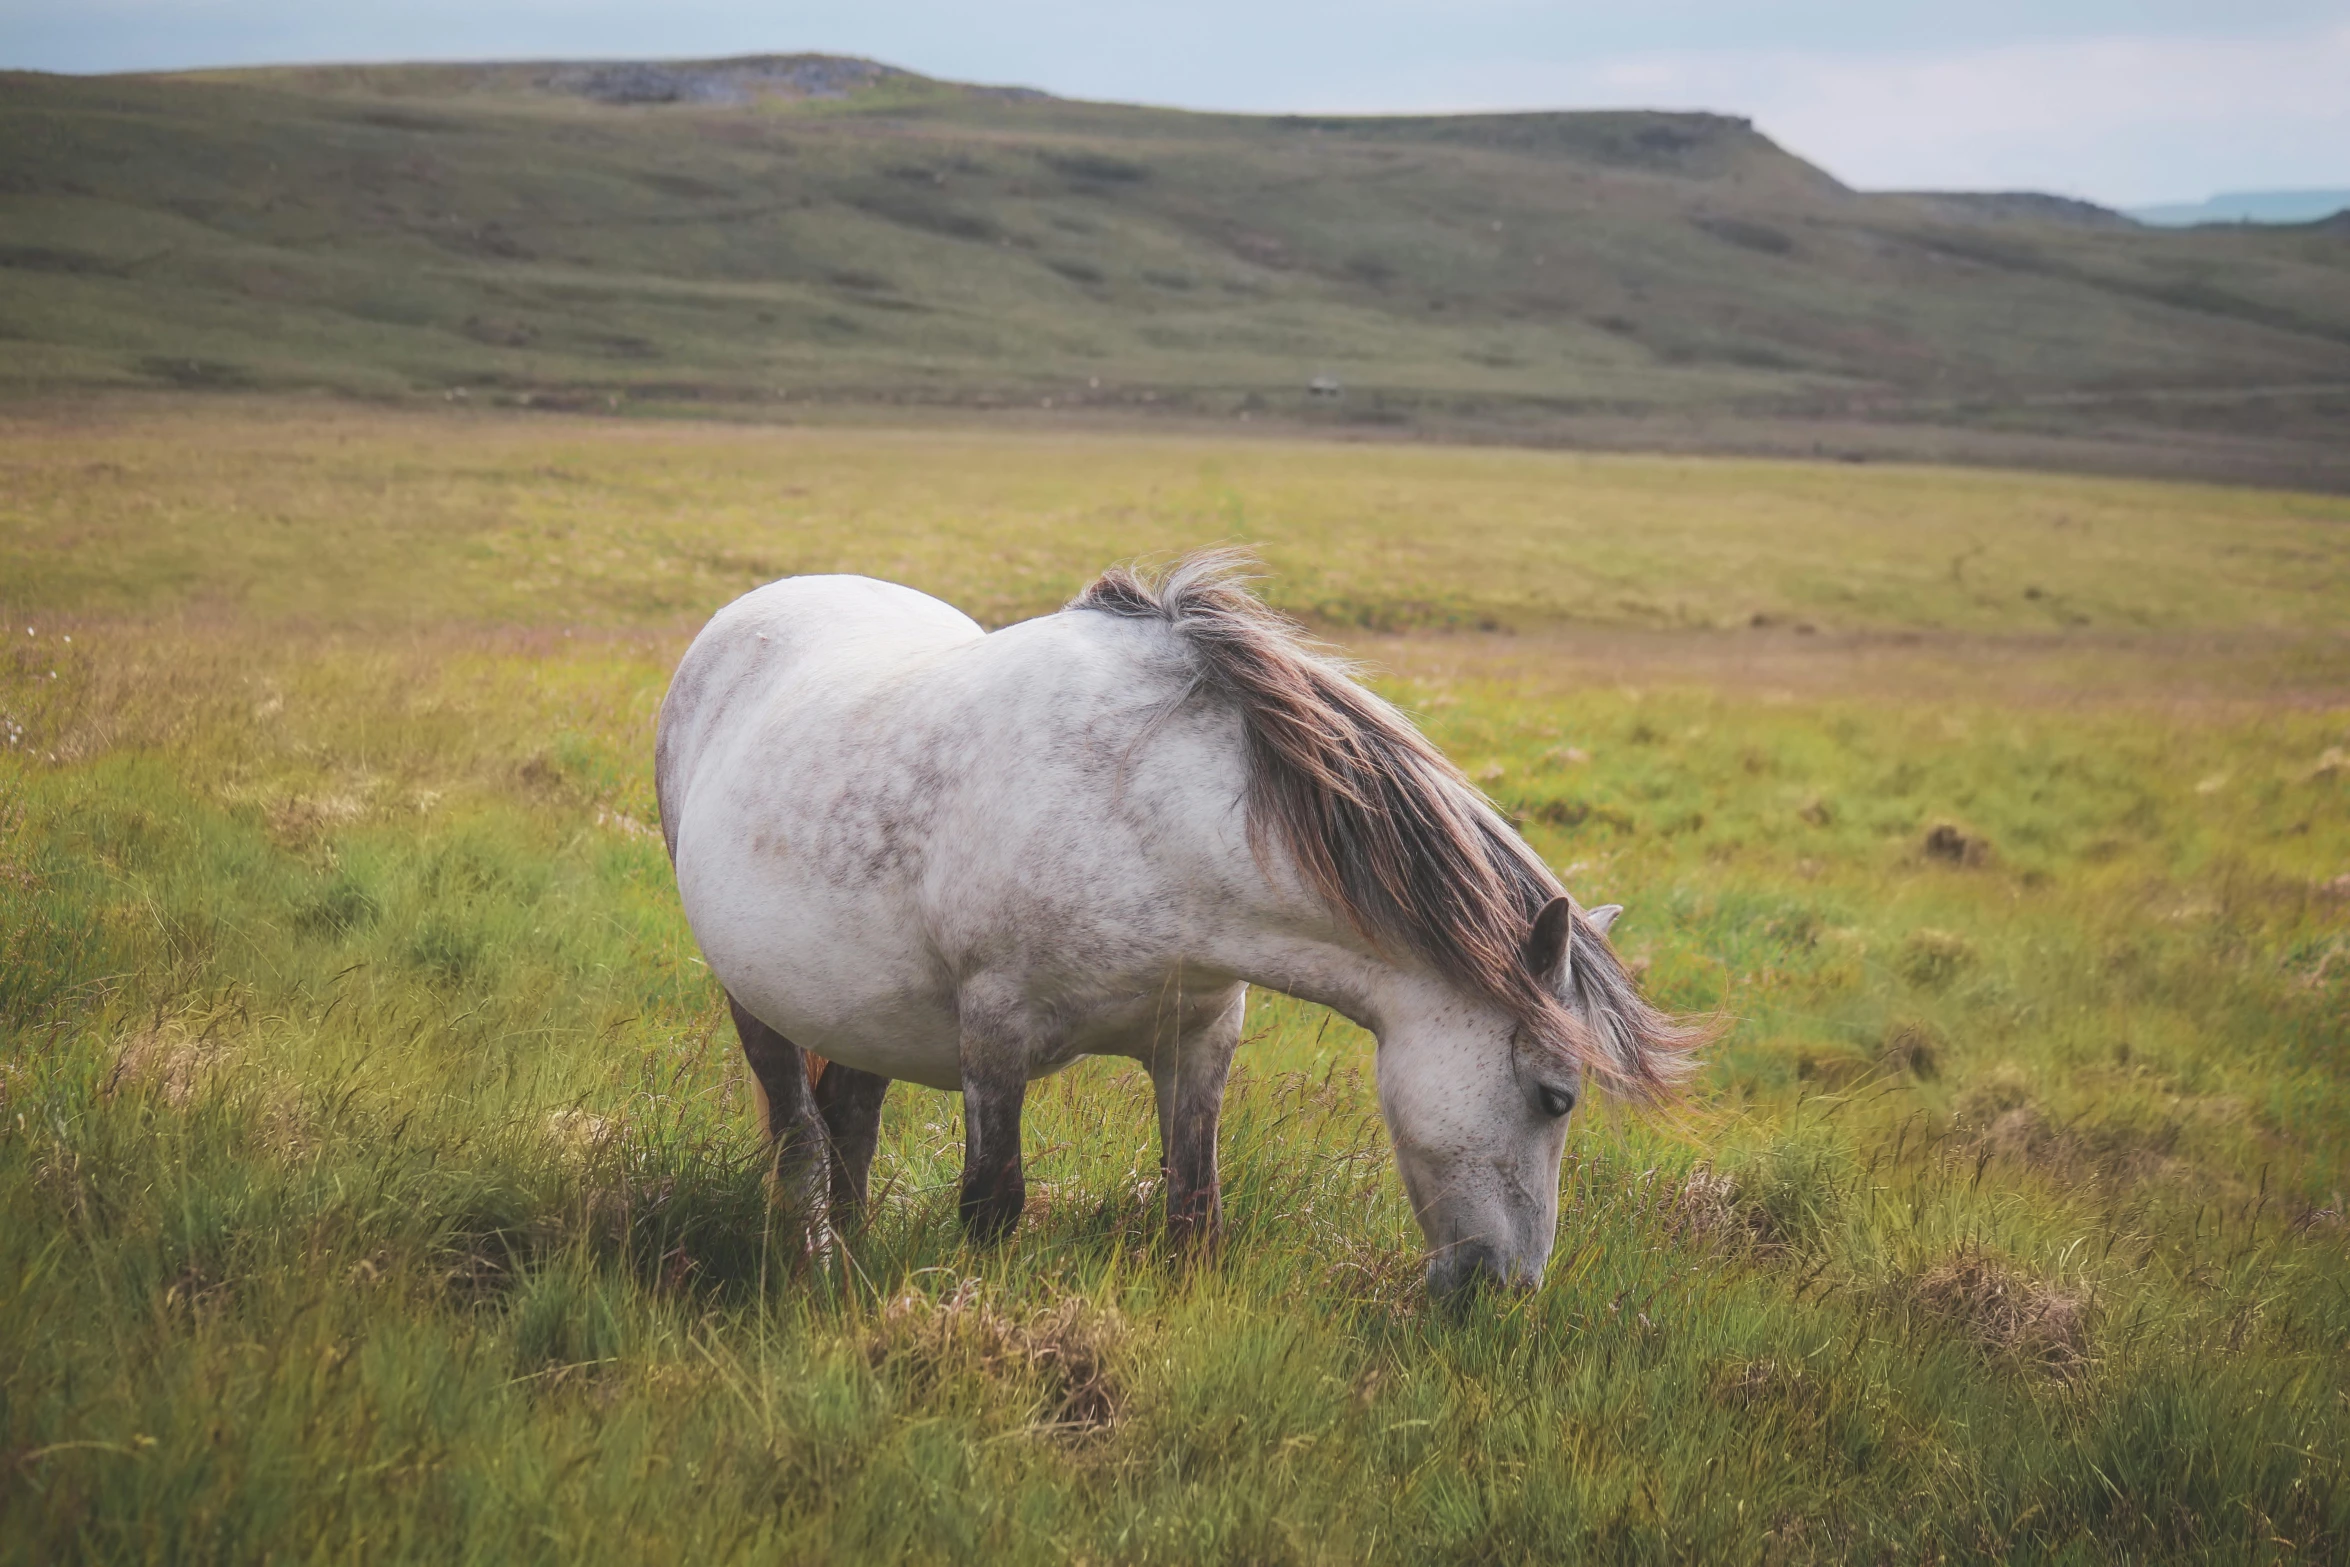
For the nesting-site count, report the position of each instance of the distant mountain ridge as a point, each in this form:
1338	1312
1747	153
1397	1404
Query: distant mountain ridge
2248	206
2024	205
760	234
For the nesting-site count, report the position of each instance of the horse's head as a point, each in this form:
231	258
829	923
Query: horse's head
1478	1112
1482	1016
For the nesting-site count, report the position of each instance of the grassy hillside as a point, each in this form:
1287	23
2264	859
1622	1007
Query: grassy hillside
719	236
377	1181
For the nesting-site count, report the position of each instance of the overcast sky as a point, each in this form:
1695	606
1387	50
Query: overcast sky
2118	102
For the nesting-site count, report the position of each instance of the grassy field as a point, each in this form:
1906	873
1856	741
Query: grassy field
513	234
377	1178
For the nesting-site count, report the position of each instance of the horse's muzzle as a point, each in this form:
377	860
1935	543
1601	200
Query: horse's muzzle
1461	1271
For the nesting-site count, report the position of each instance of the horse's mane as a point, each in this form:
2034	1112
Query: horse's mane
1387	830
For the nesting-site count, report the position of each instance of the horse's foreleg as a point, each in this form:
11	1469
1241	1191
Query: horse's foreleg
995	1086
1189	1082
795	1131
850	1102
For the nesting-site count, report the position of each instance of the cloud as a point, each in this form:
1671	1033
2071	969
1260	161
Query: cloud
2125	119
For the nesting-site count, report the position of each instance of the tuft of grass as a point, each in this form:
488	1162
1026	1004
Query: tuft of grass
2011	1314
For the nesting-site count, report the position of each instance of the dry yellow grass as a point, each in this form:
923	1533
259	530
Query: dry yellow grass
333	515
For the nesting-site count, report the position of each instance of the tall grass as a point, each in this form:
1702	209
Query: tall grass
377	1177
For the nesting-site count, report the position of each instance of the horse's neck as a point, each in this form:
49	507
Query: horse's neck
1296	947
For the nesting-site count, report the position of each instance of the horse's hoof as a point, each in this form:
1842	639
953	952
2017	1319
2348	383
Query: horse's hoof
989	1217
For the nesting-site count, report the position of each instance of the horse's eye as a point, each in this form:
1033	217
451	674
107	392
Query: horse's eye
1557	1101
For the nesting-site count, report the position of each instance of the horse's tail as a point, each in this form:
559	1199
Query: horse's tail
1382	825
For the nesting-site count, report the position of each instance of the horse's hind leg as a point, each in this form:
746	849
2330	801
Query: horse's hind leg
850	1102
995	1049
1189	1079
795	1130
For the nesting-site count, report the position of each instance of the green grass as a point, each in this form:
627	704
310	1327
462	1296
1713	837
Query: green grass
377	1177
1605	278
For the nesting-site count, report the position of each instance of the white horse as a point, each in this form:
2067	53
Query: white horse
922	851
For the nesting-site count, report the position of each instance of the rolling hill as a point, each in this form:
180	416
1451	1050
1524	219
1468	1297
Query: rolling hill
770	235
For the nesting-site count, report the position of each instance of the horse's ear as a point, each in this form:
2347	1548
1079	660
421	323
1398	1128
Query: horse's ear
1546	943
1603	916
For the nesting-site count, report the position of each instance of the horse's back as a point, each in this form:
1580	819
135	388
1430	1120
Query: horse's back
793	633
